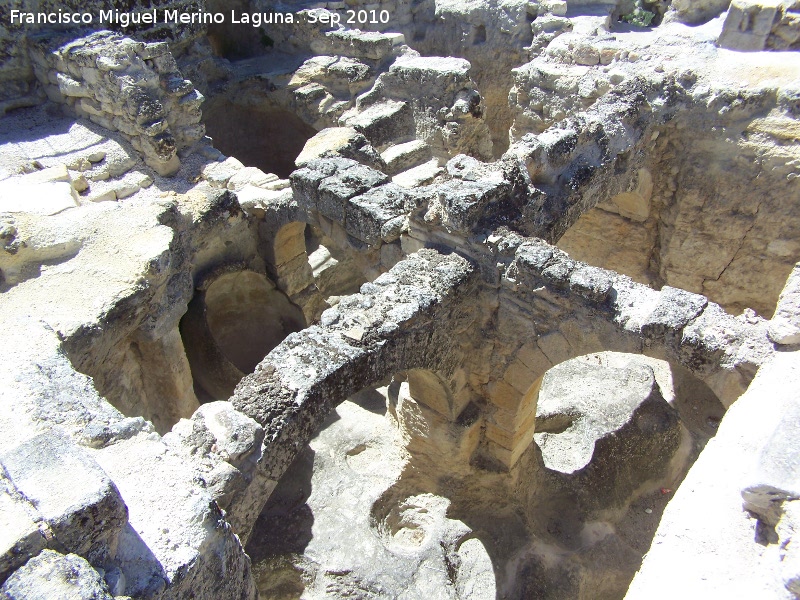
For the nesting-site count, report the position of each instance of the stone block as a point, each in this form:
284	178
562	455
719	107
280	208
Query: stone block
401	157
464	202
236	436
533	357
776	477
558	272
20	537
73	494
218	174
295	276
591	282
590	416
519	376
382	123
54	576
340	141
748	24
419	175
335	190
365	215
42	198
72	88
504	396
306	181
674	310
250	176
784	328
555	347
532	258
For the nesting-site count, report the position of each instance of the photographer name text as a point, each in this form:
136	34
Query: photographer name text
176	17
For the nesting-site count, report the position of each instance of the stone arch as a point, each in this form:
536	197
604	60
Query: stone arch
514	395
235	318
310	372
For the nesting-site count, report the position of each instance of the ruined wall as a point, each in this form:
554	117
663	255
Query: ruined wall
125	86
16	39
704	179
690	179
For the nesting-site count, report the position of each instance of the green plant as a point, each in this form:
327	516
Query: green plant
639	16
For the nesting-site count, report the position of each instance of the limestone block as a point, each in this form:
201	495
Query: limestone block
776	476
409	244
367	214
401	157
391	254
786	33
635	204
71	491
519	376
418	67
340	141
154	50
559	271
54	576
46	198
20	537
555	347
585	54
383	122
295	275
334	191
591	282
256	200
305	181
218	174
588	413
784	328
50	174
71	88
164	166
748	24
427	388
675	309
236	436
464	202
533	357
187	135
250	176
372	45
419	175
504	396
534	257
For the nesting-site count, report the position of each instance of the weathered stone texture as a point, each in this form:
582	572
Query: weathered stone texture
125	86
51	576
392	325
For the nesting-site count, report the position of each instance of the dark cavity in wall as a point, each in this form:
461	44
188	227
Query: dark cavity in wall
266	137
230	326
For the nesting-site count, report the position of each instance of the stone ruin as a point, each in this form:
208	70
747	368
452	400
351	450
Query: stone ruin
494	299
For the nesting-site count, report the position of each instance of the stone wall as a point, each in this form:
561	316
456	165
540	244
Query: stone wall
127	86
16	66
646	190
753	26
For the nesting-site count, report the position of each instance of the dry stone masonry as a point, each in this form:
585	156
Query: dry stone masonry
488	299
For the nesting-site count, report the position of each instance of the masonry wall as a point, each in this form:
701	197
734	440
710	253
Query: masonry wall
18	85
